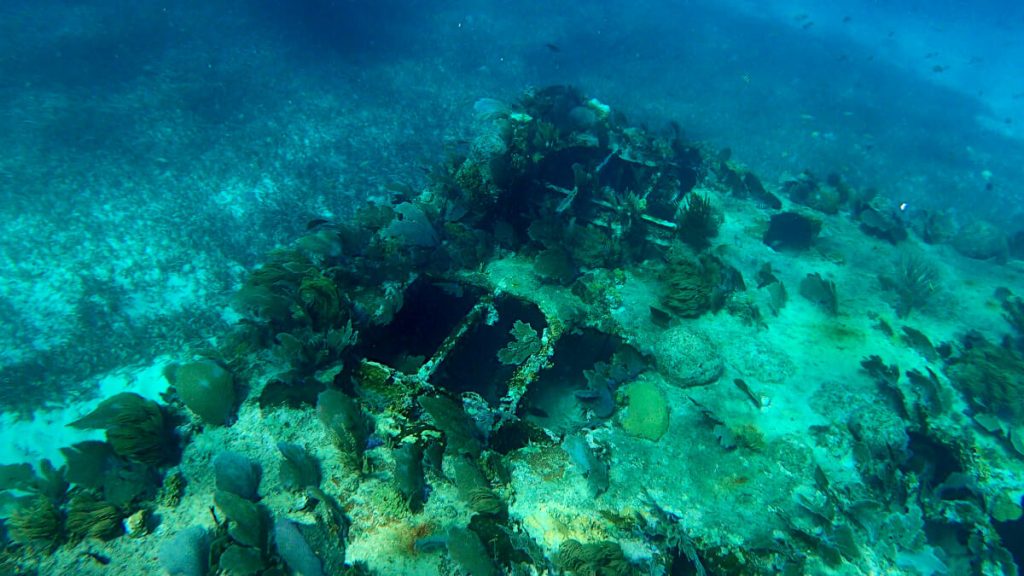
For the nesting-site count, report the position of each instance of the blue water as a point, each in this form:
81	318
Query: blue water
151	154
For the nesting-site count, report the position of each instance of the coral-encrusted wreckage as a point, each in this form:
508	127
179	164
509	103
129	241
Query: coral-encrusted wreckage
508	373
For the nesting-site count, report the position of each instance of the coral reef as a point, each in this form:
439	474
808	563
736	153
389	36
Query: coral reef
498	359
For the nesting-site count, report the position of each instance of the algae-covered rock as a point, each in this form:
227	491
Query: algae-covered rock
791	231
982	240
1004	508
647	411
687	357
989	375
206	388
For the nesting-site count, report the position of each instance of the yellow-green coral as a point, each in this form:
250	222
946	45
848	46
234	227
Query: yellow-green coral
36	522
647	412
321	300
91	517
989	375
687	291
1004	508
135	427
471	178
485	501
603	558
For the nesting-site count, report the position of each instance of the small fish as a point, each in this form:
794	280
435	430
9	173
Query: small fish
96	557
1002	293
567	201
847	19
807	25
660	318
552	47
758	400
316	223
939	68
821	480
374	441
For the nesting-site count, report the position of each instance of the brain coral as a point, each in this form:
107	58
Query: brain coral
646	414
687	357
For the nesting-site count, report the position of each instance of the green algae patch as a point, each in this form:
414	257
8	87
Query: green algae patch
646	414
206	388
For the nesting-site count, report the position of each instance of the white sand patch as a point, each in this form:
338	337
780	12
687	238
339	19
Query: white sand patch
42	436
